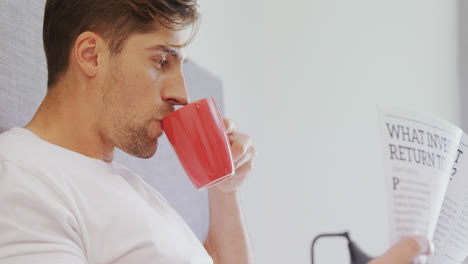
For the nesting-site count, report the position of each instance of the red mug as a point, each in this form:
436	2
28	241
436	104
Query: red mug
198	136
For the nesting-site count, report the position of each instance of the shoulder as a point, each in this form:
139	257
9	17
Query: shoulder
16	144
26	159
25	183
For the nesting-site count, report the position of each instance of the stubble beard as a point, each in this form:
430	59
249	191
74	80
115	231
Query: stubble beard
137	142
127	135
134	138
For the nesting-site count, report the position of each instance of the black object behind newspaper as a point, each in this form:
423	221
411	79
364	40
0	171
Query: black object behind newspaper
357	256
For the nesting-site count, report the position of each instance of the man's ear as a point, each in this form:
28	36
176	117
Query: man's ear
87	51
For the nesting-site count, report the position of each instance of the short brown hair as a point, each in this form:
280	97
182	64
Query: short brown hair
113	20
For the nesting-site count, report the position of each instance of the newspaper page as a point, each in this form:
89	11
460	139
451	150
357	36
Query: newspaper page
451	234
418	153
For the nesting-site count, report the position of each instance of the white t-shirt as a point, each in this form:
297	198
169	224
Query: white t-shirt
58	206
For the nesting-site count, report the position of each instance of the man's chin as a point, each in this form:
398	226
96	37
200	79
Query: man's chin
143	152
151	151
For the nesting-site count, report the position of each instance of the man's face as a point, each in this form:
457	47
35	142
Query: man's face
142	85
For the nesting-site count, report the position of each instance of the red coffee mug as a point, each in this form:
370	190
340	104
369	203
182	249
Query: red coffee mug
198	136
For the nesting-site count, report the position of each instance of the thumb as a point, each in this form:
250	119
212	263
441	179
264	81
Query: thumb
405	251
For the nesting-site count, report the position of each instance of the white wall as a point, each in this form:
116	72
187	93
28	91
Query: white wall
463	61
303	78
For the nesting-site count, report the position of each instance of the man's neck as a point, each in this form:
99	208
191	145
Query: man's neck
64	119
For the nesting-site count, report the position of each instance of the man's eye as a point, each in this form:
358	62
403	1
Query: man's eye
161	62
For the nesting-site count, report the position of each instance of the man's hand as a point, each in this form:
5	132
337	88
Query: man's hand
242	154
405	251
227	241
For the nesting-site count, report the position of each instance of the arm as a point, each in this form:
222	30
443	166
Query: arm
36	225
227	241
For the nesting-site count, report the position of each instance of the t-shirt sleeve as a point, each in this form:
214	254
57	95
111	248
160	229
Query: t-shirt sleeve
37	224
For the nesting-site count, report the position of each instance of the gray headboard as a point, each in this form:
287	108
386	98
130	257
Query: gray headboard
23	80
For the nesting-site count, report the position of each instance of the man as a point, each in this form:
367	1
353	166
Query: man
114	71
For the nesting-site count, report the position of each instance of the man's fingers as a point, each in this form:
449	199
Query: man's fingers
240	144
405	251
243	171
230	126
248	156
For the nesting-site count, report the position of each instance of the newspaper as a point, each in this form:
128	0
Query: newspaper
426	181
451	234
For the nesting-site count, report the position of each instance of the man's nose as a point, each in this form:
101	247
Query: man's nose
175	92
